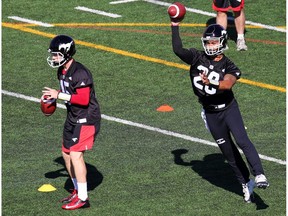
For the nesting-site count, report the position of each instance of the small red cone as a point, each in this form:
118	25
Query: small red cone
165	108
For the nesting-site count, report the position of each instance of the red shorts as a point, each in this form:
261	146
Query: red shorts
225	5
79	137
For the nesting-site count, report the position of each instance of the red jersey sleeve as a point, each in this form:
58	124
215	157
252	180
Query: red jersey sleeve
81	97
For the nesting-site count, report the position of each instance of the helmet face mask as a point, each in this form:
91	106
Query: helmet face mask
213	46
61	50
214	40
56	59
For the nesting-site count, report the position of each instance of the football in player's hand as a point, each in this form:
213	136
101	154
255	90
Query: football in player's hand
176	12
48	107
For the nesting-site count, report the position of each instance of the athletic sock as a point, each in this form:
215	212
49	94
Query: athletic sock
82	191
74	180
240	36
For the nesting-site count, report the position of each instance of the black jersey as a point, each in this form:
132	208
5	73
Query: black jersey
78	76
211	98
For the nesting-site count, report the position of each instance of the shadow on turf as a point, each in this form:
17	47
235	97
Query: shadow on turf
94	177
215	170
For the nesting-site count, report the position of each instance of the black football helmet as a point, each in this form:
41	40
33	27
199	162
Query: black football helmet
214	32
61	49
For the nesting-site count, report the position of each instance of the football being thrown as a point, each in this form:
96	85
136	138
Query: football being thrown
176	12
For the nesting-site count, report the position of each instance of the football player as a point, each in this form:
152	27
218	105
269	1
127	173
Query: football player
237	6
212	76
83	115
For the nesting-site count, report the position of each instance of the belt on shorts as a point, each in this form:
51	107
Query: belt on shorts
83	120
220	106
215	107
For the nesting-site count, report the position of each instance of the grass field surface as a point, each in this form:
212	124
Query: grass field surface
144	162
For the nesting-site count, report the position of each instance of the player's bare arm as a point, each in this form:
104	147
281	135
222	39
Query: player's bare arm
228	82
225	84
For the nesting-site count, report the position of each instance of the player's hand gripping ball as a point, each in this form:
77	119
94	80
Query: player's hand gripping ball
48	107
176	12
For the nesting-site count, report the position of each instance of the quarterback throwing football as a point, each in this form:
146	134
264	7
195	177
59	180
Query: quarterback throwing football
213	76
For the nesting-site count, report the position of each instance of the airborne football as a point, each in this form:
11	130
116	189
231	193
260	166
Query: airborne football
176	12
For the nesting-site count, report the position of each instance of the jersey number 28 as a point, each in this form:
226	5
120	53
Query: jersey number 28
207	89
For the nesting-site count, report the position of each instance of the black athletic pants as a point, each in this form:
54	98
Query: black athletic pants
224	123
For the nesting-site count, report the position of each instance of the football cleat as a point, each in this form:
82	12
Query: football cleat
241	45
70	198
248	191
76	203
261	181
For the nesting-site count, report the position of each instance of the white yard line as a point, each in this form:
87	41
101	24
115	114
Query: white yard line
274	28
146	127
266	26
122	1
97	12
30	21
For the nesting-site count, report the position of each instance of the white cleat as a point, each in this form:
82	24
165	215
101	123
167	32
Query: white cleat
248	191
261	181
241	45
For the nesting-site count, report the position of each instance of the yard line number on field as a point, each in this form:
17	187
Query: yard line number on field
143	126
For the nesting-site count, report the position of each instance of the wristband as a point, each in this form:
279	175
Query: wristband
214	83
64	96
